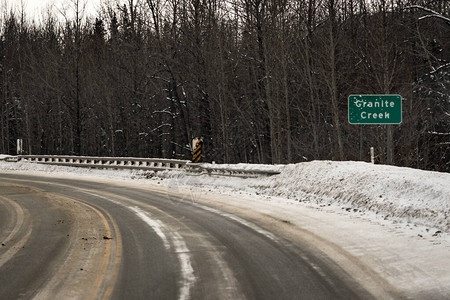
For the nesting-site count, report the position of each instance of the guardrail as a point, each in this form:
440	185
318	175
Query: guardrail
9	158
147	164
212	169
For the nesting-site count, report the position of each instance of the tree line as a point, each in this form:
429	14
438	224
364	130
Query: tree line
262	81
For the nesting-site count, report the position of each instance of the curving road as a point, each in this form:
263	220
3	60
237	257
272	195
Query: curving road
65	238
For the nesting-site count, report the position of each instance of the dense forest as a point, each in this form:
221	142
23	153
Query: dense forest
262	81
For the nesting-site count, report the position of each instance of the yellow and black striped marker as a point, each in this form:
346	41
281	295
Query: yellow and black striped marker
197	147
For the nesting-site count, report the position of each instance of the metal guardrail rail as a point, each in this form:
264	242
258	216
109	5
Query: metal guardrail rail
212	169
9	158
146	164
149	164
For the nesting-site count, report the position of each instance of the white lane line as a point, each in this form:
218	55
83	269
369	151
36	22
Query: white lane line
188	277
187	272
154	224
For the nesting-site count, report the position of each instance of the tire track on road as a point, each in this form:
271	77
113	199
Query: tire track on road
20	231
89	264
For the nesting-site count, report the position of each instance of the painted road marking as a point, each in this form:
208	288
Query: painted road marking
188	278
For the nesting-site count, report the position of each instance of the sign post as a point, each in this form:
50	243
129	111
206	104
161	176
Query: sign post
19	146
376	110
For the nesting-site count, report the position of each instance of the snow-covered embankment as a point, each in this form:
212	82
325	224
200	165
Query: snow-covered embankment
400	195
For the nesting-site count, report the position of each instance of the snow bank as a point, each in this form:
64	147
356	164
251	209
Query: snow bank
394	194
399	195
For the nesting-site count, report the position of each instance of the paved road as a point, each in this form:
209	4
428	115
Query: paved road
66	238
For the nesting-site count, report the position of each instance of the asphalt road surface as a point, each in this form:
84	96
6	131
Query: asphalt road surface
73	239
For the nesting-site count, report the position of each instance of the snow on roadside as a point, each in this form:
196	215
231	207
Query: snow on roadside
399	195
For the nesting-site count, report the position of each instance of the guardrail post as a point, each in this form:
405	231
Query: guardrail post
372	155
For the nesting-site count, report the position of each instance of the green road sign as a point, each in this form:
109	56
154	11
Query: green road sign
375	109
